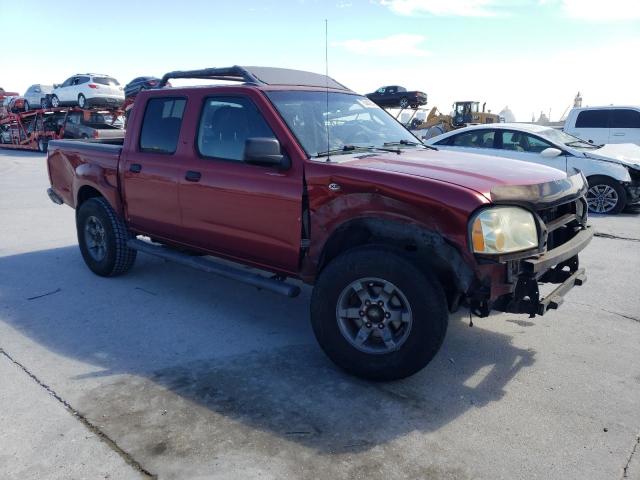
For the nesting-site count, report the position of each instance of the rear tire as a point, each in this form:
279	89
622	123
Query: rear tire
605	195
102	237
404	102
27	107
413	314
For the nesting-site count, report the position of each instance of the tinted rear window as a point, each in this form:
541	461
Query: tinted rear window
161	125
593	119
625	118
106	81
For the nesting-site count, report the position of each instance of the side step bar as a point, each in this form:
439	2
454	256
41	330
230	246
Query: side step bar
211	266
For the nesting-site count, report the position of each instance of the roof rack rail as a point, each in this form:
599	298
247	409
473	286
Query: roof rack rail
235	73
258	76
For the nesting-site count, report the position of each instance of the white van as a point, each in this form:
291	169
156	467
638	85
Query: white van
601	125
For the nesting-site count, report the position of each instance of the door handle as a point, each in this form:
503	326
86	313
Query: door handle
618	134
192	176
135	168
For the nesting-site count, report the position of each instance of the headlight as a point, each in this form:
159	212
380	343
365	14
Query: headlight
503	230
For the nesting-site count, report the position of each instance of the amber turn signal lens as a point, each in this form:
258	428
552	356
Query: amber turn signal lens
477	237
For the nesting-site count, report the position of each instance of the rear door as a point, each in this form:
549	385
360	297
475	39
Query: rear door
593	126
239	210
625	126
151	166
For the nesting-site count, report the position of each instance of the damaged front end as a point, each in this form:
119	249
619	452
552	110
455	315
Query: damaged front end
511	281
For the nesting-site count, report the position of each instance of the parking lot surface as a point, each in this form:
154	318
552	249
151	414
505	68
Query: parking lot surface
174	373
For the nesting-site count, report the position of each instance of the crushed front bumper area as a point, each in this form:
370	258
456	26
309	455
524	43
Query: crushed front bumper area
558	266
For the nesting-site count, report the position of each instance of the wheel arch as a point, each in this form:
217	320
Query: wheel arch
428	248
85	193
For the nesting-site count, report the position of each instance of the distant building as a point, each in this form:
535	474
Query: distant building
543	119
507	114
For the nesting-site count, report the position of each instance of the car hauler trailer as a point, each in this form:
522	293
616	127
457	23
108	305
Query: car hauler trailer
32	130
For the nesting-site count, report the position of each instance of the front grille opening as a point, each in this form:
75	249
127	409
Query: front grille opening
567	231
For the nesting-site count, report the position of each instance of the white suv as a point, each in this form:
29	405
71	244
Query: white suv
602	125
88	89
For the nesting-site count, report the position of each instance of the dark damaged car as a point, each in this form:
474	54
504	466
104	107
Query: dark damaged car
292	173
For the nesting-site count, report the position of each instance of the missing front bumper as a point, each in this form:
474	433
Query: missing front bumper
558	266
526	297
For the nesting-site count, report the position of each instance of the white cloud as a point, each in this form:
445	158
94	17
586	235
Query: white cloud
465	8
399	45
599	10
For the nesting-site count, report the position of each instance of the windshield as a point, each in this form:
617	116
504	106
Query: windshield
558	136
350	121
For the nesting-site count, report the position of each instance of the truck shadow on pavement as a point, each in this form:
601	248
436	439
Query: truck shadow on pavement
182	362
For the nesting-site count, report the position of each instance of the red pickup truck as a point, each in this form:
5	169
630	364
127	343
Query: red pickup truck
292	173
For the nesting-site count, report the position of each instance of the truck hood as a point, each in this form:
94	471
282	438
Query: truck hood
481	173
625	153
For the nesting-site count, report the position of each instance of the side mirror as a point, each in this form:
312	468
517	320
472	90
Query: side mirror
550	152
265	152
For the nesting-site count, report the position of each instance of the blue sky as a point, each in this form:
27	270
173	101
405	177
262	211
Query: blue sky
531	55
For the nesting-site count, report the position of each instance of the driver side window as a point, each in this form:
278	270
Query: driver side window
226	124
523	142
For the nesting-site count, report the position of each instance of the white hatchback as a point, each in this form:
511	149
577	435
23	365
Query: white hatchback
88	89
613	170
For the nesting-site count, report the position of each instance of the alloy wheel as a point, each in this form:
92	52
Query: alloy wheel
602	198
374	315
94	234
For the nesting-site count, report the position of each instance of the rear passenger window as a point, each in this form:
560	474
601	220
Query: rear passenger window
593	119
225	125
161	125
625	118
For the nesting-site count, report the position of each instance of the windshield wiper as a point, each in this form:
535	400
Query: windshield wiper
582	143
352	148
410	143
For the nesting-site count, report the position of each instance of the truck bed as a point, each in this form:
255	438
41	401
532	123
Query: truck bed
73	164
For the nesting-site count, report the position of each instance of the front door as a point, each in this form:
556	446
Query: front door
593	126
233	208
526	147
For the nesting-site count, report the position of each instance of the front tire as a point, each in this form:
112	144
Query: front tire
82	101
377	315
55	101
404	102
27	107
103	236
605	195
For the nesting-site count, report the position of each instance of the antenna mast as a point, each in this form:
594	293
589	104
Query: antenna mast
326	71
